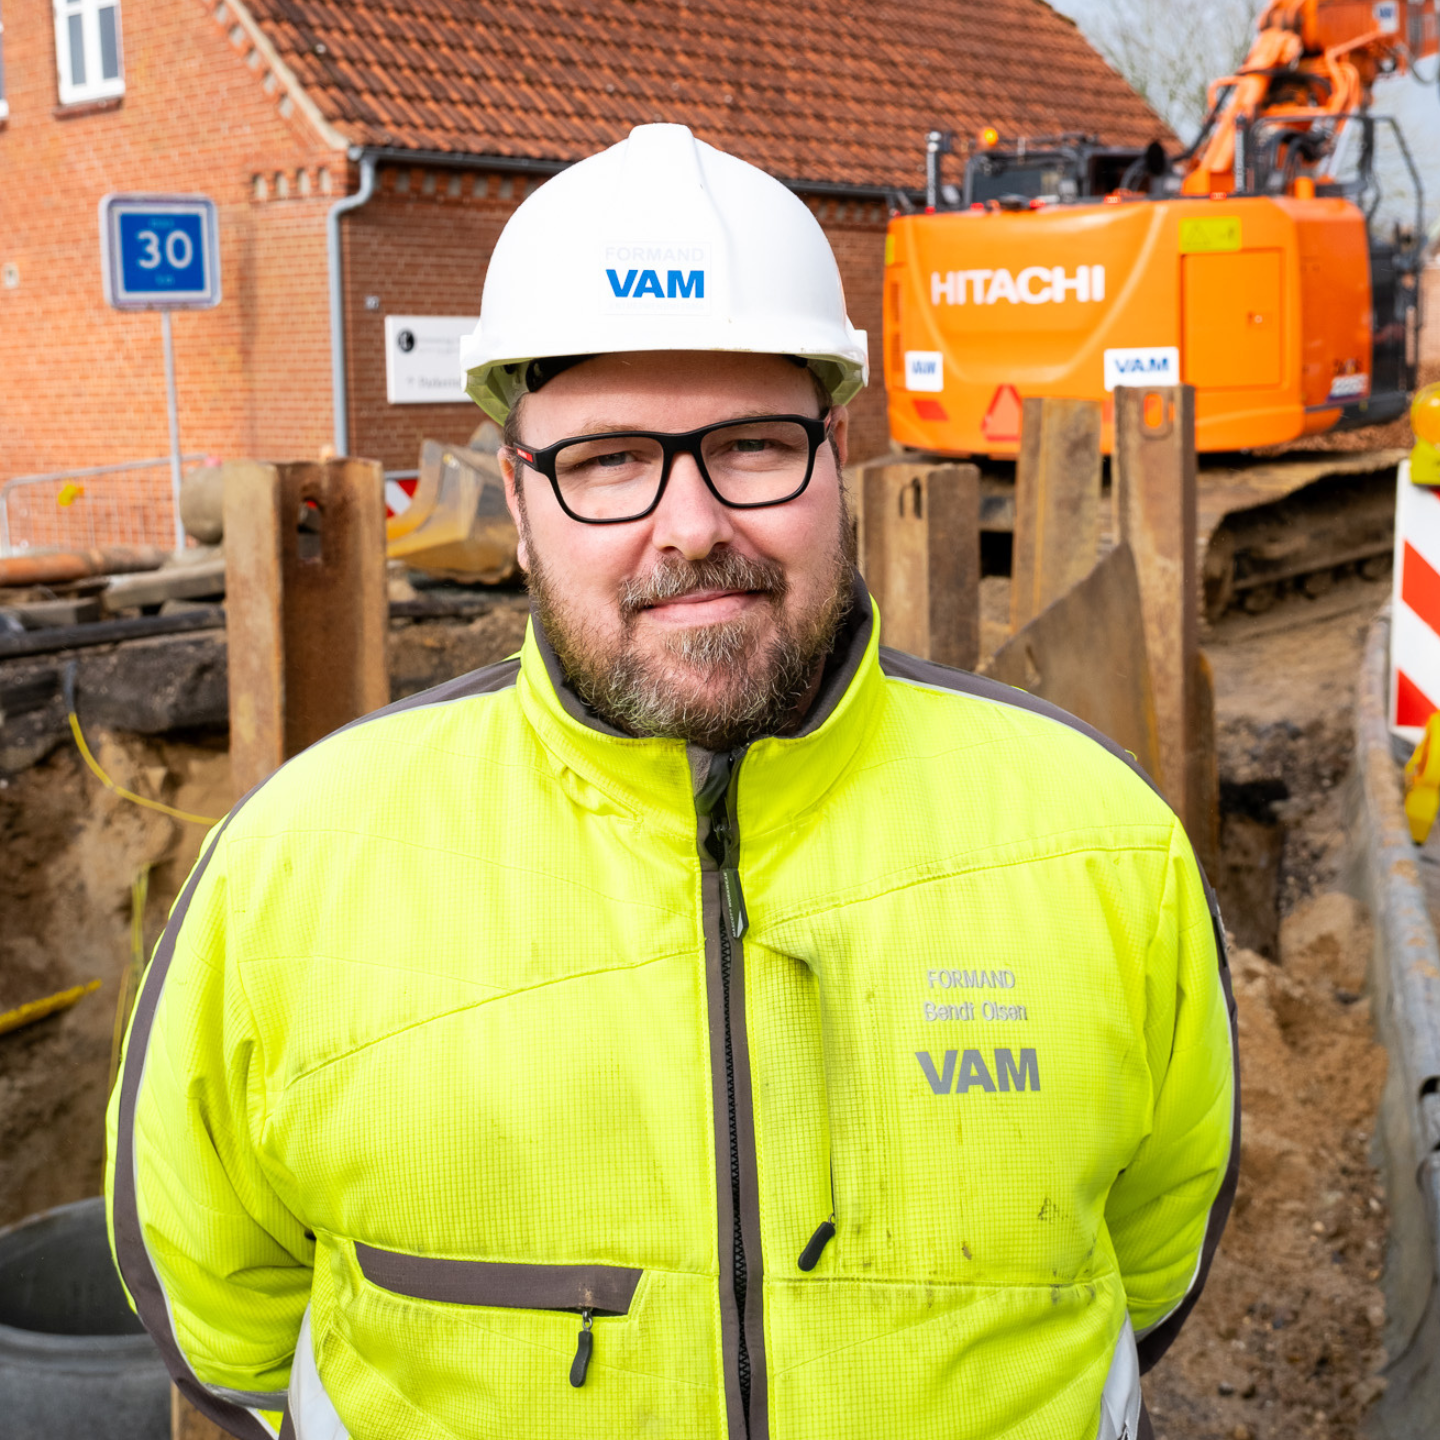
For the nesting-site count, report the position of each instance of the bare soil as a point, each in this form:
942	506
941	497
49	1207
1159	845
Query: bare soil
1286	1340
70	854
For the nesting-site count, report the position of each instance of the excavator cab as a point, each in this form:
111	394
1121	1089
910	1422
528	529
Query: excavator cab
1053	170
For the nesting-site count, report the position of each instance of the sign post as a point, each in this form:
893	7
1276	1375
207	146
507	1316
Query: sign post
161	252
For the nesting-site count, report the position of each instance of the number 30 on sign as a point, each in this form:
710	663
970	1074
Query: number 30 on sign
159	252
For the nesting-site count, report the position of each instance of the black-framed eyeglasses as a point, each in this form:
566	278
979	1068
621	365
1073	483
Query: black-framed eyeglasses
621	475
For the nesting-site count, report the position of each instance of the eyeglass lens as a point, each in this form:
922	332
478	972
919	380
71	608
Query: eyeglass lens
749	463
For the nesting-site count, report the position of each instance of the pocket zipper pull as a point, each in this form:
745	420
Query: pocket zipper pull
583	1348
810	1255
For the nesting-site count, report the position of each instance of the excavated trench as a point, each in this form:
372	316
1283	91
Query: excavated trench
1286	1340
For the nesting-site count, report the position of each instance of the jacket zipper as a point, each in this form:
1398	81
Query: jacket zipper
584	1346
717	798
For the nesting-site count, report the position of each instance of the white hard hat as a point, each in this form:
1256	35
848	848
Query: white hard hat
660	243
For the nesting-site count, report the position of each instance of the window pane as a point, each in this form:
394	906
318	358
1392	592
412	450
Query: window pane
77	50
109	44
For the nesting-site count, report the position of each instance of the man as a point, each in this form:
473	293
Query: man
708	1024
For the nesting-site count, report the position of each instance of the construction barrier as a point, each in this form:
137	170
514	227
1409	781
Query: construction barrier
1414	690
1405	982
98	505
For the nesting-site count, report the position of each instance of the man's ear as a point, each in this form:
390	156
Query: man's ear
840	429
512	479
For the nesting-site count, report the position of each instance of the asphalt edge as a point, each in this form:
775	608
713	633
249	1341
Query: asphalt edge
1405	989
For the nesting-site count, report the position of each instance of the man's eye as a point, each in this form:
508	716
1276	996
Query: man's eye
613	459
750	446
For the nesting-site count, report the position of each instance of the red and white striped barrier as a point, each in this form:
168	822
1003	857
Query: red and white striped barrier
398	495
1415	622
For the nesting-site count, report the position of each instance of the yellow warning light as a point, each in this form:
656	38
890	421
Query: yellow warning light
989	136
1425	414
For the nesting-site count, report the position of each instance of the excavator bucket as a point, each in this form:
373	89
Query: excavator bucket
456	524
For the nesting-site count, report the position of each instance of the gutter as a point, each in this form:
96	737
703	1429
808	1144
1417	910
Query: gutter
338	394
460	160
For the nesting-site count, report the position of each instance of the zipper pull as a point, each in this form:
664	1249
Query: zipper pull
583	1348
734	901
814	1248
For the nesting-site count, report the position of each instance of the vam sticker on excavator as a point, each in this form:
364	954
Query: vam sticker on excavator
1142	365
924	370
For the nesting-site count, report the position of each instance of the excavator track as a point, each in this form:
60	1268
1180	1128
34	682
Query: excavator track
1265	526
1292	522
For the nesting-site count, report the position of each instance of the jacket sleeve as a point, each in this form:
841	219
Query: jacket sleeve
1168	1207
215	1264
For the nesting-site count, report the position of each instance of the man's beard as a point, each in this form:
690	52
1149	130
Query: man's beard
720	685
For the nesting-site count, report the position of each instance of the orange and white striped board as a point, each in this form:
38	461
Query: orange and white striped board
1415	611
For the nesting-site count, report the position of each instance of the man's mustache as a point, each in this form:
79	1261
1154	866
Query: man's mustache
723	570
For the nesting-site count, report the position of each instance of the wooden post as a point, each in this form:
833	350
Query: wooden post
187	1423
1154	495
305	601
920	554
1057	502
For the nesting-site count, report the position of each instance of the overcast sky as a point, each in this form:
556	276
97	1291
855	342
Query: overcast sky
1415	106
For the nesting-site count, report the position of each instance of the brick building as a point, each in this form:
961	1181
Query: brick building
279	110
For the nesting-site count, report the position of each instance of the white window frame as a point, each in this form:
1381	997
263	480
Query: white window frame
94	87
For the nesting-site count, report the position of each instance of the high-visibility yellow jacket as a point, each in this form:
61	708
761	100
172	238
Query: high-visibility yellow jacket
488	1051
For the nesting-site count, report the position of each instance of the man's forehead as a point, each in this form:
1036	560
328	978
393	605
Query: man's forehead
669	390
602	422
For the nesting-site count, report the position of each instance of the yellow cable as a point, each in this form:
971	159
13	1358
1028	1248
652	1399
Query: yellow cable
39	1009
130	795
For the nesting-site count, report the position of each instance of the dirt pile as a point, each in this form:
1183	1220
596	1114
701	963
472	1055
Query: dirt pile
71	853
1286	1340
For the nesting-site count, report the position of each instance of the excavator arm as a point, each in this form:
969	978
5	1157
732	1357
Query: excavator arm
1312	66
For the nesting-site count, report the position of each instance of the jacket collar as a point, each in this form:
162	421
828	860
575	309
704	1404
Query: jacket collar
780	777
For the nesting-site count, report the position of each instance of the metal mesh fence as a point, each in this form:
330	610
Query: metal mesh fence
128	504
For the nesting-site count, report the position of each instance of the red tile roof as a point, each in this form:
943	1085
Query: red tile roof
822	92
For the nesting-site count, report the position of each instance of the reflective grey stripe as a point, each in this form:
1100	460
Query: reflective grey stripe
1159	1338
897	665
251	1399
309	1413
713	918
608	1288
131	1253
1120	1399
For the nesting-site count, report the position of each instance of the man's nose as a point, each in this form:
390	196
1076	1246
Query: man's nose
689	518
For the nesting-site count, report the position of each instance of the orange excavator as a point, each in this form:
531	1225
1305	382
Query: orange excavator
1255	266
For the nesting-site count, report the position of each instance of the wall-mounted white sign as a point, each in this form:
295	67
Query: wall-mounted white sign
422	358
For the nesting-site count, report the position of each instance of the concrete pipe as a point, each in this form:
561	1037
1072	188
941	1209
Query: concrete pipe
72	1355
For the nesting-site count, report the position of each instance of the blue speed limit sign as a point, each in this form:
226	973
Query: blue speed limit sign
159	252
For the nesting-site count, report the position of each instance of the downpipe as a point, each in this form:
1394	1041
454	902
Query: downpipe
339	399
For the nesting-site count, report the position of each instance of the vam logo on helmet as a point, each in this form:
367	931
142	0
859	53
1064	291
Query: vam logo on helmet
679	284
664	278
